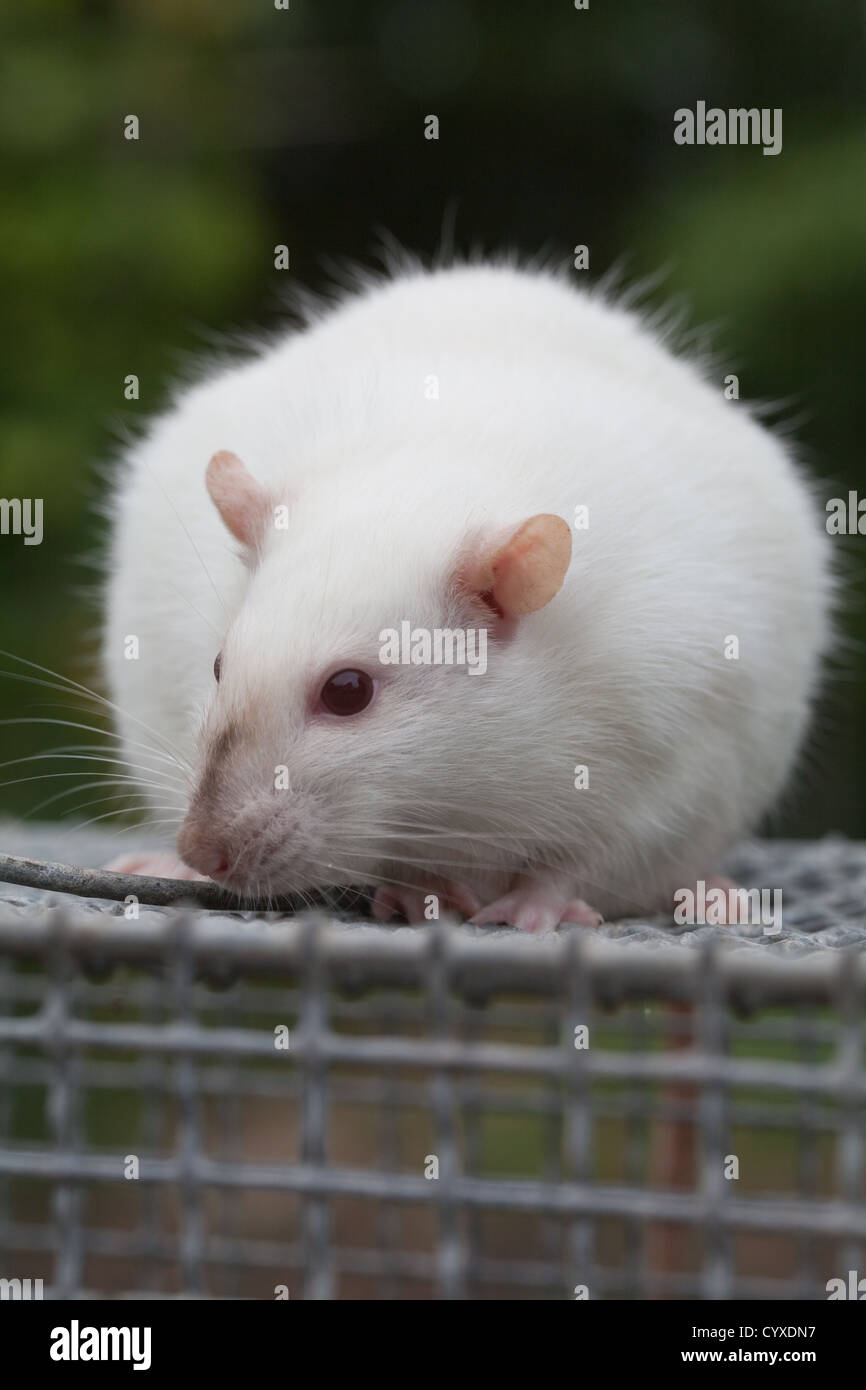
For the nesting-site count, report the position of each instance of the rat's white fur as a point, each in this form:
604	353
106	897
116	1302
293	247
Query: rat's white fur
548	398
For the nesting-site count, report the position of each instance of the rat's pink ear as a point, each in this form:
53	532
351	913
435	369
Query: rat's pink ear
243	503
525	570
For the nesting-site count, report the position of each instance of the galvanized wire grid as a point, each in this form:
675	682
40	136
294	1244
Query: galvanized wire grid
558	1167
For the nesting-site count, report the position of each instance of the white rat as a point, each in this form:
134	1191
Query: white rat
478	448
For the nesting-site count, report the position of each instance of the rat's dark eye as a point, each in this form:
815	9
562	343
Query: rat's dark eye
347	692
217	666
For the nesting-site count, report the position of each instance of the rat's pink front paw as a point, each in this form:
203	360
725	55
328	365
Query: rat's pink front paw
156	864
536	909
397	900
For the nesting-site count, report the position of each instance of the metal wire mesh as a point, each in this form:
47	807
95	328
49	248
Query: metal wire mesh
233	1108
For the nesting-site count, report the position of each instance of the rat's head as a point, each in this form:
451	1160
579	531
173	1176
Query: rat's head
365	701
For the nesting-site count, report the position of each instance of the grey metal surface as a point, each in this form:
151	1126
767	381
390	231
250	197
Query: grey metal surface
154	1038
823	883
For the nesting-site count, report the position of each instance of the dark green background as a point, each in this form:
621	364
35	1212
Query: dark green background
261	126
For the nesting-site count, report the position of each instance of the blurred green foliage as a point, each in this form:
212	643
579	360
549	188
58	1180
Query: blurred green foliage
305	126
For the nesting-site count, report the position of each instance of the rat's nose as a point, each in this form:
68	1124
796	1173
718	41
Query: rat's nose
212	862
209	859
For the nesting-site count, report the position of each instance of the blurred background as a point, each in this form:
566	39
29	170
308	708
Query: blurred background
304	126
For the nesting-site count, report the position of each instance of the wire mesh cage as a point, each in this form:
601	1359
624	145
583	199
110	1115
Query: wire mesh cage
217	1107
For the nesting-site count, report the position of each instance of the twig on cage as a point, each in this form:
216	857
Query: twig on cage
159	892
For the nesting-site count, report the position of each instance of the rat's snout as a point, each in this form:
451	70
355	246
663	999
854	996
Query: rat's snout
238	829
236	847
198	846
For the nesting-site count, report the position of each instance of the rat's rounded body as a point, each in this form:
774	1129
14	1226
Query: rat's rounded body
625	730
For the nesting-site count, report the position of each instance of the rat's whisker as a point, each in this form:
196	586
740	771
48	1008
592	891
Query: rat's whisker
91	729
438	833
188	601
72	757
85	752
81	825
88	786
132	809
434	832
184	528
109	752
435	871
69	684
109	777
127	829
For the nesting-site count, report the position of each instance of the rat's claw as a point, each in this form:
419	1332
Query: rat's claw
156	864
413	904
576	910
530	909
